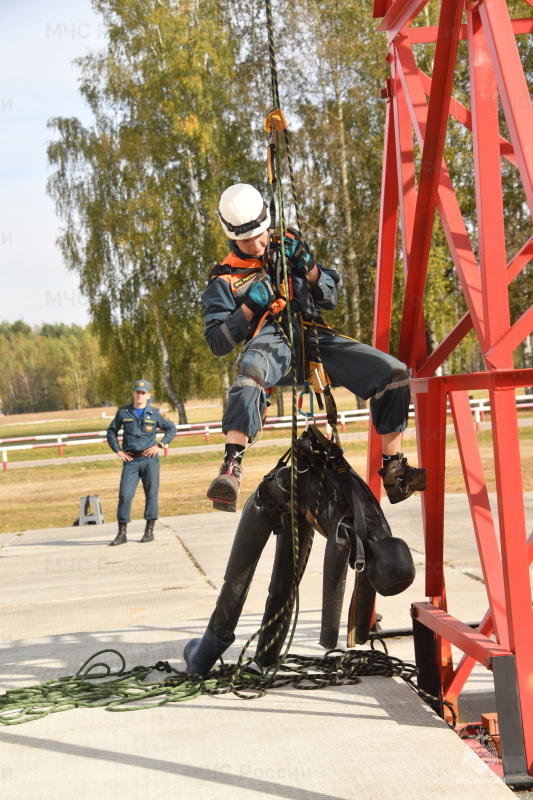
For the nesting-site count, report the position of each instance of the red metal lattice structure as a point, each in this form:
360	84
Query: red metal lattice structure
420	105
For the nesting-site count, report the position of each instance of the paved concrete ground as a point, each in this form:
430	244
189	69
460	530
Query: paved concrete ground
65	595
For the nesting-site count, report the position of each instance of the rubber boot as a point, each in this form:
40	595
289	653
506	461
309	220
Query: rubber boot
120	538
149	531
202	654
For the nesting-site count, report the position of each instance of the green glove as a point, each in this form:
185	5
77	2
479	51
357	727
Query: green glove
260	296
297	252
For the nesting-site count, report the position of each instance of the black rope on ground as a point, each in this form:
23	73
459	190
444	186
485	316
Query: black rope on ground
126	690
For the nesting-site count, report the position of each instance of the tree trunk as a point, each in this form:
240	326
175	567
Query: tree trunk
174	399
194	195
279	401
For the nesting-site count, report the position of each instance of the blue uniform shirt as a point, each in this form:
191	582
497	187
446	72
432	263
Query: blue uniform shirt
139	434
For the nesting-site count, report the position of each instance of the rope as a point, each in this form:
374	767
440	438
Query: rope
292	601
276	102
329	400
125	690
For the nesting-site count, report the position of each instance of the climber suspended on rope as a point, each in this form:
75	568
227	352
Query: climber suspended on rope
243	303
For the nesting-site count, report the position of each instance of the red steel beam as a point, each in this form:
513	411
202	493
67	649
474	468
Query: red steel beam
400	14
450	213
502	379
480	509
443	350
380	7
428	184
521	259
431	431
459	331
423	35
512	85
510	497
514	549
488	184
502	351
459	112
508	378
458	633
454	685
405	164
388	226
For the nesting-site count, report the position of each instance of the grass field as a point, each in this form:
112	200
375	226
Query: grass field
48	496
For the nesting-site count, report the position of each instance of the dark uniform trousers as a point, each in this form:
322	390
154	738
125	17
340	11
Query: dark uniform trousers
139	435
144	469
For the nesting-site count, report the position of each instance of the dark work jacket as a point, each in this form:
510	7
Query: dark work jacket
225	324
139	434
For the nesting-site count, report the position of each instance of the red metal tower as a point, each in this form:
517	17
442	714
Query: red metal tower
420	105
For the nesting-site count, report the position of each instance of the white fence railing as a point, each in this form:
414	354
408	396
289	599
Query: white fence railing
205	429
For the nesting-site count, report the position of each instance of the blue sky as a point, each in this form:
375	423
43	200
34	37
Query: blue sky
38	42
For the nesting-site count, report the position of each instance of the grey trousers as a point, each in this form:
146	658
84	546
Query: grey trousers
369	373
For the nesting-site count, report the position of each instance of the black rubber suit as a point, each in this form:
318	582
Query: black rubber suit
333	499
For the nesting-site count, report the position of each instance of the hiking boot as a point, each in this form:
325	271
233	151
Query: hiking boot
121	537
400	480
224	490
148	531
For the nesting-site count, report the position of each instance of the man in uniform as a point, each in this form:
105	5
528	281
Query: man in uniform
237	302
139	452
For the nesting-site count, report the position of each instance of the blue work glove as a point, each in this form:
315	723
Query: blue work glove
260	296
297	252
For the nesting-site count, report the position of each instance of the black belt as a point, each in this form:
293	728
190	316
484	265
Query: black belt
135	453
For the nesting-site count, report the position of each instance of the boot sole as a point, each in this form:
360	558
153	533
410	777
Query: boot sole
397	496
223	491
224	505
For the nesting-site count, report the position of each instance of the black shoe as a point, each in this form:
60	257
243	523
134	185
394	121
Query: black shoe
400	480
121	537
224	490
149	531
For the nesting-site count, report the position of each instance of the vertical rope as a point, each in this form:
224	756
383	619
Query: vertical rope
276	103
294	427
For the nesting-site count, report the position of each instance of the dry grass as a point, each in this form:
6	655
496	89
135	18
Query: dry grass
48	496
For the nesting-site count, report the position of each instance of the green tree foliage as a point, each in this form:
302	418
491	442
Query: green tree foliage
178	95
138	189
339	140
48	368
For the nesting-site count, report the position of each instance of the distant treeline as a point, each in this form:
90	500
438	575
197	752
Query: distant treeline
48	368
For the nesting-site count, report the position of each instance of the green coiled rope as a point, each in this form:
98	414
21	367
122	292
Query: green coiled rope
96	685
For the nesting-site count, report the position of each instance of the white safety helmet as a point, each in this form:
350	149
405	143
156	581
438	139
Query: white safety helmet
243	212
